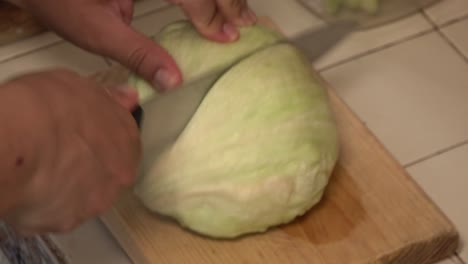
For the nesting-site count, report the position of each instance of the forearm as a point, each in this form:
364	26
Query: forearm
18	152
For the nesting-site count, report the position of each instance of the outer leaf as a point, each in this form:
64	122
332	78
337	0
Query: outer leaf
259	150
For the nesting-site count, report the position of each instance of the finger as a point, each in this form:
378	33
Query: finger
126	10
125	96
103	198
139	53
145	58
208	20
237	12
115	143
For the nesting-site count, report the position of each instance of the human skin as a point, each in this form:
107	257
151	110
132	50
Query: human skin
70	147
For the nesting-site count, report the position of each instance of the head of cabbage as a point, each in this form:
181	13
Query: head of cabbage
260	148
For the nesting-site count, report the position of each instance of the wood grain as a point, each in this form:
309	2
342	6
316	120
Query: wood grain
372	212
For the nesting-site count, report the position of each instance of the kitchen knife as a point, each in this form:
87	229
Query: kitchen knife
162	118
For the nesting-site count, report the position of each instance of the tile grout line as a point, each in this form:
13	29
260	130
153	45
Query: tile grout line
56	43
451	22
434	28
436	153
439	31
452	45
61	40
377	49
370	51
460	259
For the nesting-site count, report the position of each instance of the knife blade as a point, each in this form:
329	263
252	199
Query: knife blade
161	119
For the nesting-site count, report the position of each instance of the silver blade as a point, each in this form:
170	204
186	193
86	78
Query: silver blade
318	42
166	116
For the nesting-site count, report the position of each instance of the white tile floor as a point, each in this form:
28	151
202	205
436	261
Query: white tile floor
447	11
410	99
407	80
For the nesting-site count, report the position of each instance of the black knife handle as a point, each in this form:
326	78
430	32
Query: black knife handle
138	115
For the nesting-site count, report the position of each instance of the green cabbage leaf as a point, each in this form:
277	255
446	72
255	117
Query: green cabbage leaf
261	147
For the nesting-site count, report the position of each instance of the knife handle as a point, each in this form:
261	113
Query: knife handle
138	115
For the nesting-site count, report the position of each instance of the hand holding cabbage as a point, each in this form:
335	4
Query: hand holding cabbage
103	27
58	170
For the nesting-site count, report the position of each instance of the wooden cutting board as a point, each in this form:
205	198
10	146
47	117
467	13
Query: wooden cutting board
372	212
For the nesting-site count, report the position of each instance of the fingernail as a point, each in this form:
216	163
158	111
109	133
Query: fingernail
230	31
164	80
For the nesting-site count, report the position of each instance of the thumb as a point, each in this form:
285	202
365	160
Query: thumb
141	55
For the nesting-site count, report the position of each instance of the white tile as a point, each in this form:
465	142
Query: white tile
28	45
61	55
91	243
449	261
447	10
412	96
146	6
367	40
48	38
445	180
290	16
458	35
456	260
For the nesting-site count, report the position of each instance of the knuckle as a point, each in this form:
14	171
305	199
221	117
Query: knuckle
136	58
238	4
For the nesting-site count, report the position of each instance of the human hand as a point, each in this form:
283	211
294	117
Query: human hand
77	145
218	19
103	27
